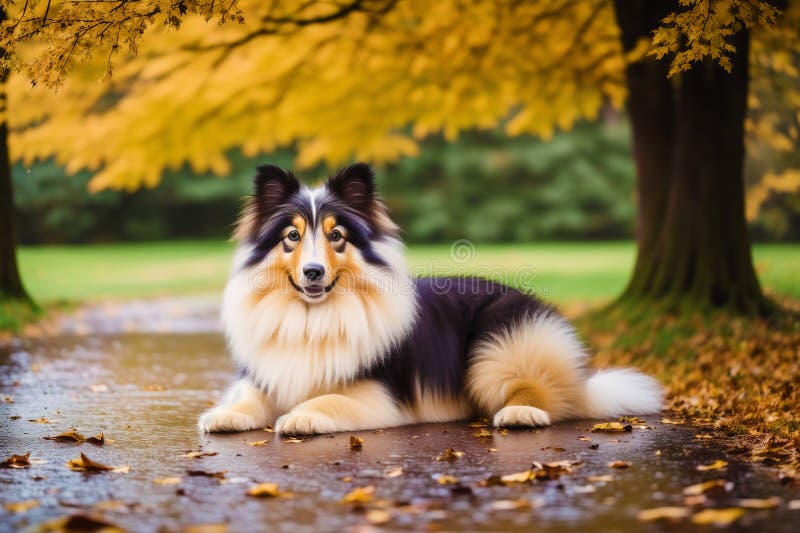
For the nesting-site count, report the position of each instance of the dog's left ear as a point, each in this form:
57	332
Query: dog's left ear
355	185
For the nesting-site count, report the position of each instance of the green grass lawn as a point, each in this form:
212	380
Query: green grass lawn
561	272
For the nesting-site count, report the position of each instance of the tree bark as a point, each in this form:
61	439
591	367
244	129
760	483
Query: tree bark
650	104
688	140
10	282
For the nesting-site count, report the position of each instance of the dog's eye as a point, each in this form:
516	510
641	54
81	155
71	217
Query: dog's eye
294	235
335	236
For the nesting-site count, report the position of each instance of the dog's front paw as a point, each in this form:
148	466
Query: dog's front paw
521	416
220	419
305	423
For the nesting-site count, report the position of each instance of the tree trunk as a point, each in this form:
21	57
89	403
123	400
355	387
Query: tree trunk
650	102
10	282
688	142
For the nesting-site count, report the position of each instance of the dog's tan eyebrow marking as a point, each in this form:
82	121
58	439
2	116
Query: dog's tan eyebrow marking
328	224
299	223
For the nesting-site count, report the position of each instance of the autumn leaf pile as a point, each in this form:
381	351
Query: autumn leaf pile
734	377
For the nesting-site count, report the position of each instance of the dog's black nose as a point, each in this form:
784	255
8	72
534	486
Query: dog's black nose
313	271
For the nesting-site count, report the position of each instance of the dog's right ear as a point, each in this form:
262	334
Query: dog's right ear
273	186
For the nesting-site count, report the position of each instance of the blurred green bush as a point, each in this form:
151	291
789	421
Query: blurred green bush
55	208
488	187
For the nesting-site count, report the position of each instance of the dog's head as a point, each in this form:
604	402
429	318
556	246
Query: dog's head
315	242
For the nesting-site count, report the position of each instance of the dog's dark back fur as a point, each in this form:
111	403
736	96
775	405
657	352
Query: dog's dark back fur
453	315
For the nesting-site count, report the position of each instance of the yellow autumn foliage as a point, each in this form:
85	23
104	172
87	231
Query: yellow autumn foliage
368	79
787	181
358	87
703	28
773	123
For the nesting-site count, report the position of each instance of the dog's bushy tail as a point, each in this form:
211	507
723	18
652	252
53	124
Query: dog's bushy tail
622	391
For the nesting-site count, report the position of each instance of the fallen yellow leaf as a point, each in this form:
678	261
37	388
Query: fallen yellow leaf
198	454
98	439
562	467
663	513
719	464
21	507
510	505
359	495
759	503
84	464
167	481
16	461
446	480
718	517
450	454
356	443
612	427
259	442
41	420
605	478
700	488
68	436
206	528
619	464
394	472
378	517
264	490
518	477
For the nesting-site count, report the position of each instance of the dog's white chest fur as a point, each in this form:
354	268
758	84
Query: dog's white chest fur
293	350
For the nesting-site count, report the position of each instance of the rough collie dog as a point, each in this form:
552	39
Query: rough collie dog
331	333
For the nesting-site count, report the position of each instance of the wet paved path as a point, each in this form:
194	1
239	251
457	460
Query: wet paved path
144	389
